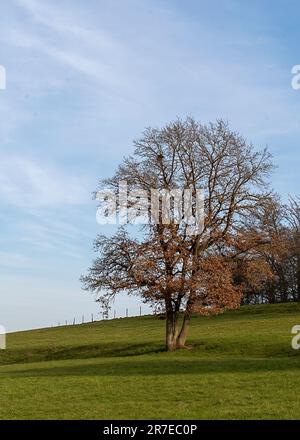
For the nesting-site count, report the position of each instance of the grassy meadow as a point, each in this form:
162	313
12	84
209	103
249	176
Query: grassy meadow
241	366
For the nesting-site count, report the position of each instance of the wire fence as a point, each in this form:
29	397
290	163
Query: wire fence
88	319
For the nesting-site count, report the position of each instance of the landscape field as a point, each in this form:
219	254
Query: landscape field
240	366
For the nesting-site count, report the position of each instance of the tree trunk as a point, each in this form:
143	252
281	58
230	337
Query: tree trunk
171	329
180	343
298	278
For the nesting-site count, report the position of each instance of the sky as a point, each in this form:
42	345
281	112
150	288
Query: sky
83	79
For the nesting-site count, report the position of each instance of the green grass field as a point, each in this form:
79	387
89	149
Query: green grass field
242	366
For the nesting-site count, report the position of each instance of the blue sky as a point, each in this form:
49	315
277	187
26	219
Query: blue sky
83	80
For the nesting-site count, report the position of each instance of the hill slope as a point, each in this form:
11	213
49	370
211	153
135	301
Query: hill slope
241	366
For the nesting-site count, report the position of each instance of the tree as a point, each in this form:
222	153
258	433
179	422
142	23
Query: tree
293	217
175	266
264	270
270	273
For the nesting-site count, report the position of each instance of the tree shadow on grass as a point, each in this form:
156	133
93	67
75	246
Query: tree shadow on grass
110	349
121	349
161	367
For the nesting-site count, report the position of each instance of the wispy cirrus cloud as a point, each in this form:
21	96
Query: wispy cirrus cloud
28	184
100	71
58	20
14	260
90	51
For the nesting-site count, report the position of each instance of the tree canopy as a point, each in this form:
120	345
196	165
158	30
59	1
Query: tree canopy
175	266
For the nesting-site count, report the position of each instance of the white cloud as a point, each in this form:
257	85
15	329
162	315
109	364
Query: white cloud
28	184
14	260
163	72
58	20
92	52
52	235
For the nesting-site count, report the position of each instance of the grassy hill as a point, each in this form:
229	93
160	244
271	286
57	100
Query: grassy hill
241	366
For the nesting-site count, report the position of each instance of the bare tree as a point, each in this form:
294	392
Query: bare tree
271	273
265	270
293	217
169	267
